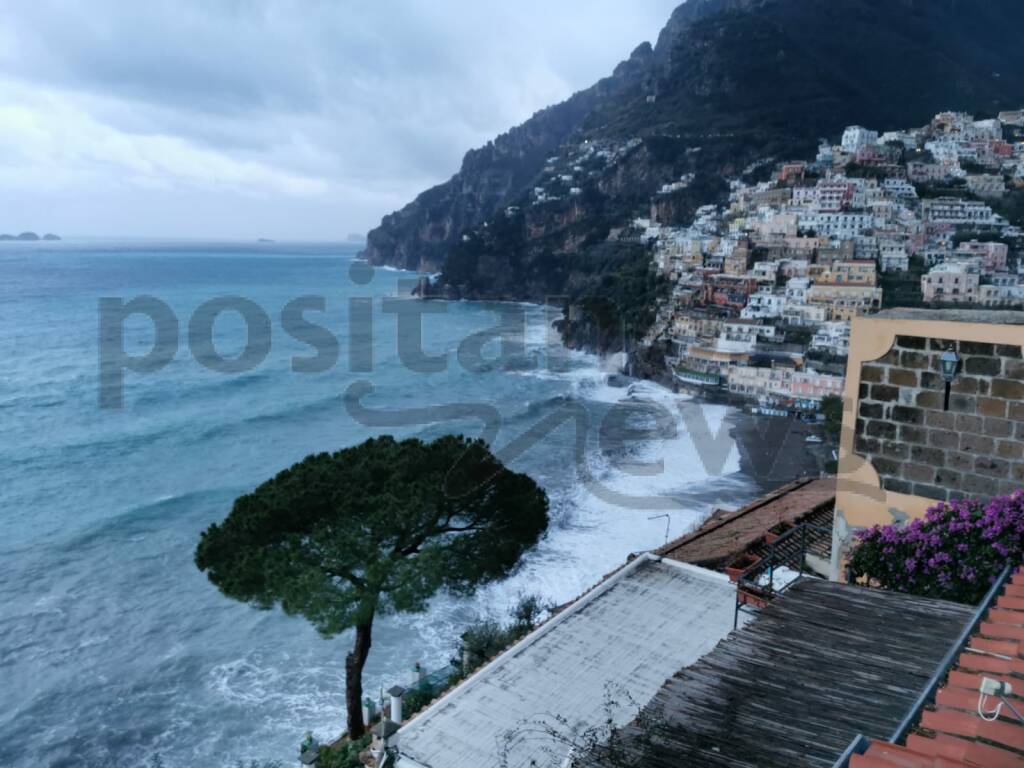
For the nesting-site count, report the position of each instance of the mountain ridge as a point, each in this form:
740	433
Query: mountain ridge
727	83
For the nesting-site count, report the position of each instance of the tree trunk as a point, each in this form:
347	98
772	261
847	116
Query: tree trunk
354	680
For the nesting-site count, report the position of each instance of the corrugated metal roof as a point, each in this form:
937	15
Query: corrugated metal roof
631	633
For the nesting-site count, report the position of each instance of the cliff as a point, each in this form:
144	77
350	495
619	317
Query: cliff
728	82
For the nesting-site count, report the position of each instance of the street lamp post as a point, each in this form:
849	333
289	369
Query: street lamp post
949	363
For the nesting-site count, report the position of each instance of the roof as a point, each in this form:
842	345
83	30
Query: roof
998	317
790	690
952	729
634	630
726	534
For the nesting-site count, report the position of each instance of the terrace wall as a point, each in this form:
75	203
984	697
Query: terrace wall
901	451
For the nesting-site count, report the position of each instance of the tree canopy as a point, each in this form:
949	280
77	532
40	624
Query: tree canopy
379	527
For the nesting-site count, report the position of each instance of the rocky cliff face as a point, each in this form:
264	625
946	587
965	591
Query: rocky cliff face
727	82
419	235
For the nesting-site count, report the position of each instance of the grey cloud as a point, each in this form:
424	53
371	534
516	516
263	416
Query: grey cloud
384	97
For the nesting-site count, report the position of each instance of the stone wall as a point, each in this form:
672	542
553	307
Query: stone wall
975	449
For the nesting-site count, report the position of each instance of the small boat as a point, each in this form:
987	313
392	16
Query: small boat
813	439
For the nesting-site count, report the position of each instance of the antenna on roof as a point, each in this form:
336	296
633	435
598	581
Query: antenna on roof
668	523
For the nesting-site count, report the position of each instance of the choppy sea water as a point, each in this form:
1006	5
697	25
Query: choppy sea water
113	647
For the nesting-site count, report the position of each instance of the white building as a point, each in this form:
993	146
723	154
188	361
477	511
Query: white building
766	305
843	226
893	256
953	210
1001	291
988	186
832	337
901	189
856	138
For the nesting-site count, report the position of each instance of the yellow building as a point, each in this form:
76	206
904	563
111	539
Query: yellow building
852	272
844	302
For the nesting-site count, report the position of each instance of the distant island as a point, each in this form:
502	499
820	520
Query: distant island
265	240
30	237
356	237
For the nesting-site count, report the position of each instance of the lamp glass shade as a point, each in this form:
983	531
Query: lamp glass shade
949	362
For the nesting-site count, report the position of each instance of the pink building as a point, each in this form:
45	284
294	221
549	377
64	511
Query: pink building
951	283
993	255
811	385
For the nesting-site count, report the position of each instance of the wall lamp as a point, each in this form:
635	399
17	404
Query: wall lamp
949	363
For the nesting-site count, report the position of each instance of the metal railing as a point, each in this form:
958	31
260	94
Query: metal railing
927	695
758	584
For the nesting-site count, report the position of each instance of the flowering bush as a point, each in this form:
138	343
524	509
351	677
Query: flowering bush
955	552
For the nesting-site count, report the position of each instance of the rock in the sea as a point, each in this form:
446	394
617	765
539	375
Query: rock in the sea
28	236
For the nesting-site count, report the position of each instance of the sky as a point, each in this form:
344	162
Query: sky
286	119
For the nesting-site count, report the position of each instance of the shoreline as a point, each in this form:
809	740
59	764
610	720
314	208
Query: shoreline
772	450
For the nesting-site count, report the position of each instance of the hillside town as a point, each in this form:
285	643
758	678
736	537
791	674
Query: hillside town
763	290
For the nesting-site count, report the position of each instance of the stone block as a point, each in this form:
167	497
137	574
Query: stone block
872	374
961	462
867	446
919	473
884	393
901	414
1014	369
991	467
917	361
1008	388
931	400
963	404
895	450
883	429
897	486
968	423
914	435
998	428
1010	450
976	484
940	420
911	342
901	377
925	455
977	348
979	445
944	438
870	410
983	366
930	492
991	406
1015	411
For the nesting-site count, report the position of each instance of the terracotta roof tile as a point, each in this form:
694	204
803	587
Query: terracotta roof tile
952	732
726	534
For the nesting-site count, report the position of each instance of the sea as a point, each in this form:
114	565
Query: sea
146	385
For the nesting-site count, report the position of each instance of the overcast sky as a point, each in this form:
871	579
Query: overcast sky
269	118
